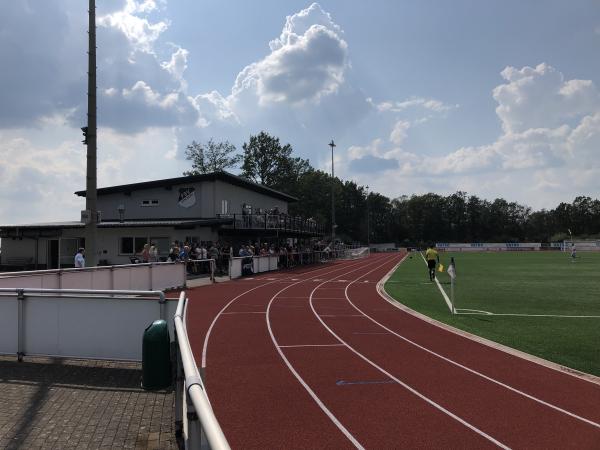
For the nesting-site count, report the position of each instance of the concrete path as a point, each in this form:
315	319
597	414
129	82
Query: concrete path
51	403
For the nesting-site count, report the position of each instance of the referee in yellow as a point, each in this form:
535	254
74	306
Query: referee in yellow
432	257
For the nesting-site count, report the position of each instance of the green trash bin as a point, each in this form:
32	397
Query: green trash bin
156	356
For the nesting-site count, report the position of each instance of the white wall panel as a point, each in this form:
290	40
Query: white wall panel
8	325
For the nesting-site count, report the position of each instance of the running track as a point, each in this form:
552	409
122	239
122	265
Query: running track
317	358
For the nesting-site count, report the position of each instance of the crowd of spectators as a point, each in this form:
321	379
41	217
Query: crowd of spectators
195	254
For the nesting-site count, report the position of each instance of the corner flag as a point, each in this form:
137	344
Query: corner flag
452	271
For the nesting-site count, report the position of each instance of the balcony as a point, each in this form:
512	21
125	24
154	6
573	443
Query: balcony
273	223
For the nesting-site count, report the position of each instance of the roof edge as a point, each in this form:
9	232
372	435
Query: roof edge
212	176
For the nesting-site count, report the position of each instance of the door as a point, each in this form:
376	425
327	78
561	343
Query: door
52	260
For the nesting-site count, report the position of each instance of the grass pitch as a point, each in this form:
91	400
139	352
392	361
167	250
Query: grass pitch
529	296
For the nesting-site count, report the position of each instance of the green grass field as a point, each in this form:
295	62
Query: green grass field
523	285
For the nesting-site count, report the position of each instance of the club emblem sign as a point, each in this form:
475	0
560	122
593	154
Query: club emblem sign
187	197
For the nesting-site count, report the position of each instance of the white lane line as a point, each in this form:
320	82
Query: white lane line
212	325
473	371
244	312
311	345
341	315
448	302
400	382
314	396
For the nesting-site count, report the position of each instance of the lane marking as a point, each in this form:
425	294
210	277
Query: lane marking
473	371
216	318
311	345
358	332
350	383
341	315
403	384
244	312
314	396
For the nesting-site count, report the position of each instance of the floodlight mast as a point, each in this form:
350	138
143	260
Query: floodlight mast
332	145
91	203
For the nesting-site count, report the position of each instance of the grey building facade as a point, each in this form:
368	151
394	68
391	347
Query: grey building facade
204	208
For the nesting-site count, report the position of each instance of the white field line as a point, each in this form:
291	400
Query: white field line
448	302
473	371
314	396
397	380
477	312
220	313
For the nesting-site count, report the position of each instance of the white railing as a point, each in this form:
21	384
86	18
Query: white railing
147	277
198	265
194	416
78	323
259	264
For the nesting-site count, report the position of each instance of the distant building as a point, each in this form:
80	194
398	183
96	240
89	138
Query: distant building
203	208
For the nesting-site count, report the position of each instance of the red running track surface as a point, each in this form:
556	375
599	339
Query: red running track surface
317	358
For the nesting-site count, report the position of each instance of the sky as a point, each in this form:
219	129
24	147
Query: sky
495	98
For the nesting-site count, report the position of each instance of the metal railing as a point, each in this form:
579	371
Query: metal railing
196	267
281	222
146	276
194	416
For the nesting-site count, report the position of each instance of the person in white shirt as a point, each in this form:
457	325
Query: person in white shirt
79	259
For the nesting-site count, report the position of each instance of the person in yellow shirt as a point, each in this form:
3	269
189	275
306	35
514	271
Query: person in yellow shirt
432	258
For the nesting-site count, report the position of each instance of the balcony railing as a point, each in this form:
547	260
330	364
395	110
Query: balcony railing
281	222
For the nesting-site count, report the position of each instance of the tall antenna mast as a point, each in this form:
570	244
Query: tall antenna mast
91	203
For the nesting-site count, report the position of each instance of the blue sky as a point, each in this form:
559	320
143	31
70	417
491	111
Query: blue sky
499	99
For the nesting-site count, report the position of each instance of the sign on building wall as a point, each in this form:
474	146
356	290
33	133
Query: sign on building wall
187	197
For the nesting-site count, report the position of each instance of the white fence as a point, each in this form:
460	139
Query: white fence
79	323
144	277
259	264
489	246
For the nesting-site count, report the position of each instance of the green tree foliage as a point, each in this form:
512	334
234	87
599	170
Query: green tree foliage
269	163
406	220
211	157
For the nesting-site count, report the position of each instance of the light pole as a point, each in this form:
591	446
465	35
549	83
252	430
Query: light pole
91	227
332	145
368	224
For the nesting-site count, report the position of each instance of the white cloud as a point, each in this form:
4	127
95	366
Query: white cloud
399	132
177	64
306	63
414	103
34	179
548	151
540	98
140	32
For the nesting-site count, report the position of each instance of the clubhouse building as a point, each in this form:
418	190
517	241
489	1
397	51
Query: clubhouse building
214	207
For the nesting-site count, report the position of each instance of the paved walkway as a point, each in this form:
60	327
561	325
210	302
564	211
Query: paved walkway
51	403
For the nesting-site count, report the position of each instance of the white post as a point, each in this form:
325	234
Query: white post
452	294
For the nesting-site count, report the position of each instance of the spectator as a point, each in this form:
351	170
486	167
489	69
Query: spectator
80	258
153	252
145	253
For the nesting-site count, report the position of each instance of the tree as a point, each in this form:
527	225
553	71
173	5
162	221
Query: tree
211	157
269	163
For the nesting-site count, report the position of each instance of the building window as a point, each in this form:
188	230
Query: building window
132	245
149	203
224	207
